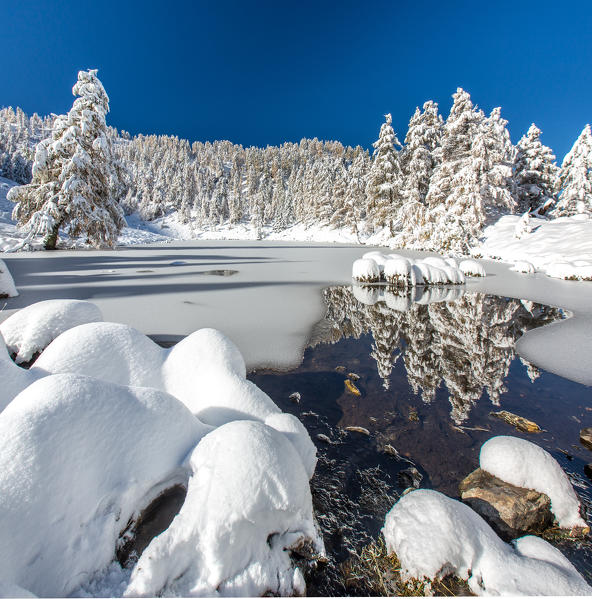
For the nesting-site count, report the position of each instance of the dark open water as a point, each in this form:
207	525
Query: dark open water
429	374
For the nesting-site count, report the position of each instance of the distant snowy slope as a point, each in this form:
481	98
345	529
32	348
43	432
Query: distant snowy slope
561	248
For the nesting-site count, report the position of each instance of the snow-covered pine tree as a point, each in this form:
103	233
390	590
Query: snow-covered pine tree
575	179
456	212
76	179
384	180
536	176
419	159
495	153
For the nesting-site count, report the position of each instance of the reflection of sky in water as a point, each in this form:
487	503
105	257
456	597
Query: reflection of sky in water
432	368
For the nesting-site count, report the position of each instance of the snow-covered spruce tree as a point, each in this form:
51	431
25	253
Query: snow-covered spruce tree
575	178
76	180
536	176
385	180
419	159
495	153
456	212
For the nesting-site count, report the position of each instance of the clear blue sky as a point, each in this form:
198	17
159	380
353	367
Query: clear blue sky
260	73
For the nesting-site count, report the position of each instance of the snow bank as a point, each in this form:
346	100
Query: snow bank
7	288
248	502
527	465
561	248
78	458
32	329
434	535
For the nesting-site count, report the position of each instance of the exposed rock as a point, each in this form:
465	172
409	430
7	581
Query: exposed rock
522	424
410	477
352	388
413	417
295	397
586	437
510	510
353	376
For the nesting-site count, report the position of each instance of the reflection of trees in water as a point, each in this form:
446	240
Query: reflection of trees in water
467	343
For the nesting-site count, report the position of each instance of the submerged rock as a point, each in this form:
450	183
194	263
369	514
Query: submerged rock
352	388
512	511
357	429
522	424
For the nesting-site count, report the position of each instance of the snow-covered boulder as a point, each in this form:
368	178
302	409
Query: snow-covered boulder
399	272
431	275
32	329
206	371
366	270
7	287
248	502
78	458
524	267
433	535
472	268
108	351
527	465
377	257
14	378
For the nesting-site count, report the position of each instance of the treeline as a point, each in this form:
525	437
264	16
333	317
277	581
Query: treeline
436	191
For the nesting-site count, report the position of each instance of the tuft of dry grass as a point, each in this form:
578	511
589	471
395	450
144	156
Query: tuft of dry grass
374	572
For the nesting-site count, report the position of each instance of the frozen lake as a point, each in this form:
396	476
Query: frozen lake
266	296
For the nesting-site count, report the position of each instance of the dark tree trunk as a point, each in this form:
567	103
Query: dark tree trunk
49	243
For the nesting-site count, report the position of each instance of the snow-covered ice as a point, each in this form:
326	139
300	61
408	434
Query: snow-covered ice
524	464
78	458
33	328
248	503
434	535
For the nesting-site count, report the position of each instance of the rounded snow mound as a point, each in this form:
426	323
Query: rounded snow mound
32	329
524	464
472	268
78	458
434	535
366	270
248	502
108	351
